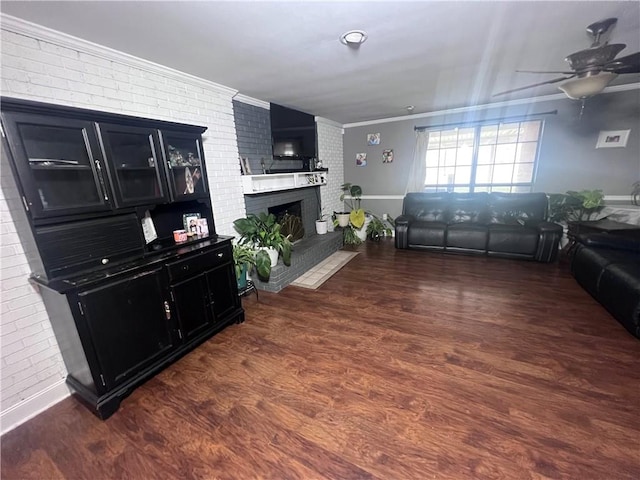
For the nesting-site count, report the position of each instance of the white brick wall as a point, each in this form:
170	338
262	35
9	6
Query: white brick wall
37	65
331	153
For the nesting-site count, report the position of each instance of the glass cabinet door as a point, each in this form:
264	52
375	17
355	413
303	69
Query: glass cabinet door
132	158
59	164
186	172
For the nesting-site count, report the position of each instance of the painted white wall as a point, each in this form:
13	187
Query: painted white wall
44	65
330	152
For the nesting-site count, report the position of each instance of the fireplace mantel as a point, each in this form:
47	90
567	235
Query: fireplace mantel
273	182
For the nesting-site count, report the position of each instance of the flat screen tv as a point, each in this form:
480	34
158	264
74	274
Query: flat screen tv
293	133
288	147
294	144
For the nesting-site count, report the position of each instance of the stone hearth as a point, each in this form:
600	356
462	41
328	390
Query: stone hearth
306	253
309	251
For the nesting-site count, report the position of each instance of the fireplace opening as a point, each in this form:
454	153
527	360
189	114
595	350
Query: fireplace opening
289	216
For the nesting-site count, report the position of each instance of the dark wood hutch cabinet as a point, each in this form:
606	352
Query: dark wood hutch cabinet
122	305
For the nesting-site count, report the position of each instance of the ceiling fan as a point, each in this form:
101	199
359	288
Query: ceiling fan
592	69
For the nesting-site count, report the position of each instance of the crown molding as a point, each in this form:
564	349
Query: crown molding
326	121
508	103
252	101
22	27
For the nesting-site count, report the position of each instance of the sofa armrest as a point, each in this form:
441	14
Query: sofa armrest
404	219
548	242
549	227
606	240
402	230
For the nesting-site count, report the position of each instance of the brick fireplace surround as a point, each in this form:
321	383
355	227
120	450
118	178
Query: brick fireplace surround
309	251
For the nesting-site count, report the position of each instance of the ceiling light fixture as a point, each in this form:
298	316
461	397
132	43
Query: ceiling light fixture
588	86
354	38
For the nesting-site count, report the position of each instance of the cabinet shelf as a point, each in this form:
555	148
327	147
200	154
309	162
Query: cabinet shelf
136	169
185	166
38	166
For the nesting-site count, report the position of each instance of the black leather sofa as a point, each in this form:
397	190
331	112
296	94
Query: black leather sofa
510	225
608	267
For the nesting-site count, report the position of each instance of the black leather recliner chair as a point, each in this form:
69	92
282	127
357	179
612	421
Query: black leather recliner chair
608	267
510	225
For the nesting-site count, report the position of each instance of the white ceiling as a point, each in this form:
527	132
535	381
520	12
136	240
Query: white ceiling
433	55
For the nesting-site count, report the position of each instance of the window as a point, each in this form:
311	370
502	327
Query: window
497	157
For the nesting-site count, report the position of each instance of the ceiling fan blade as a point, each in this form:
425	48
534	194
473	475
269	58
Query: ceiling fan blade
555	80
571	72
627	64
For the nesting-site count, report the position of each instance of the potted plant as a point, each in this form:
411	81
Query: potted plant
575	206
361	224
379	228
354	225
342	219
356	214
262	233
243	259
322	225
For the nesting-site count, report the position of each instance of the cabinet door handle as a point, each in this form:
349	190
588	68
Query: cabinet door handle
101	179
220	255
167	310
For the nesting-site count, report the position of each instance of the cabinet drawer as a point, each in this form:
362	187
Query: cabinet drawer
89	244
199	263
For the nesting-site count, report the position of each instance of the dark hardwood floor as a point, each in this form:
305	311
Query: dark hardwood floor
404	365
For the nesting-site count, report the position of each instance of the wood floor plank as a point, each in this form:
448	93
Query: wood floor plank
402	365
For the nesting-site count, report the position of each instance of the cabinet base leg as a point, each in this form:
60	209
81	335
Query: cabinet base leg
108	408
101	407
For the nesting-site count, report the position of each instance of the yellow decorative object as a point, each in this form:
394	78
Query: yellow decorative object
357	218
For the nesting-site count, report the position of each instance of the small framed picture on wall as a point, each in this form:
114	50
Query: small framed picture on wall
373	138
613	138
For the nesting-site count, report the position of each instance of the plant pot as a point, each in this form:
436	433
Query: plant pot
362	232
273	255
343	219
242	278
321	227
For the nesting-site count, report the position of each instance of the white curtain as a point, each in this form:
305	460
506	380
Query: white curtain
418	168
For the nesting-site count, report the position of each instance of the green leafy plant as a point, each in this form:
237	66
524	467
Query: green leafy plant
243	255
356	214
350	236
262	231
574	205
378	228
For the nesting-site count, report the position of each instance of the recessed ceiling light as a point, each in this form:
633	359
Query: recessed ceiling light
353	38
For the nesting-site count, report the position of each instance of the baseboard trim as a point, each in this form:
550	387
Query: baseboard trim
32	406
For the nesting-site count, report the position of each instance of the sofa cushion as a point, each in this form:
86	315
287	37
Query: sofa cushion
467	236
517	208
428	207
427	234
512	239
469	208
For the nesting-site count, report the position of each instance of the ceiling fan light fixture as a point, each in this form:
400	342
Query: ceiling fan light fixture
588	86
353	38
